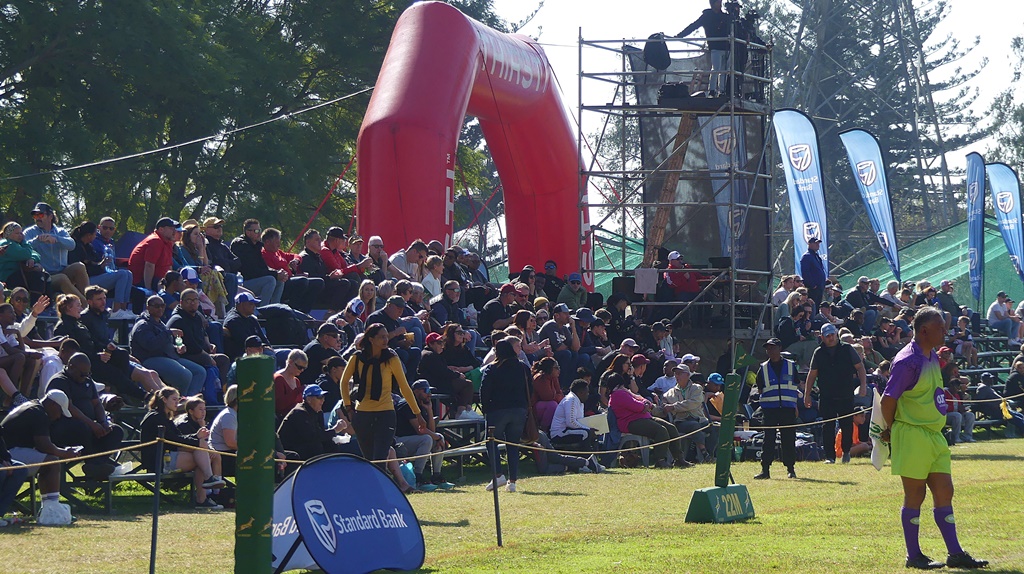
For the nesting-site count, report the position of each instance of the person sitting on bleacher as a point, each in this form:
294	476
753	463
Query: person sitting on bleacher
547	391
253	346
1015	383
418	442
193	325
436	371
287	386
96	319
159	349
224	430
566	425
89	425
633	415
962	340
112	365
240	324
959	416
326	346
194	419
303	431
163	406
989	404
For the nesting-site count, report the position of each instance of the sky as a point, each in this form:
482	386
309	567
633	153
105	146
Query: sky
560	23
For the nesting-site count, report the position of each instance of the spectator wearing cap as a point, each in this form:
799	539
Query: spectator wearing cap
338	262
157	347
220	256
240	324
303	431
560	331
684	284
53	244
583	318
838	370
416	442
858	298
349	321
573	294
663	335
999	318
300	290
434	369
194	326
327	345
595	339
399	338
496	313
714	402
812	268
248	248
778	396
26	431
253	346
152	258
683	405
337	289
692	361
627	347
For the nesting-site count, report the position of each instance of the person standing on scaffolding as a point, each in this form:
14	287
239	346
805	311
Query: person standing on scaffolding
716	25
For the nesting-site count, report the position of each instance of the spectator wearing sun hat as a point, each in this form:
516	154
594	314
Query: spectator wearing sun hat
573	294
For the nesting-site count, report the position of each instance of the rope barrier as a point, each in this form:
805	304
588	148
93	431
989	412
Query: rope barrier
77	458
615	451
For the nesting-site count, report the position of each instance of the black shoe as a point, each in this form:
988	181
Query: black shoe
662	464
964	560
764	475
923	562
792	473
682	463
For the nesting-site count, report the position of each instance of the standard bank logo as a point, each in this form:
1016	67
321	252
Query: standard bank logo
724	138
883	239
322	526
1004	201
800	156
867	172
811	230
972	258
972	193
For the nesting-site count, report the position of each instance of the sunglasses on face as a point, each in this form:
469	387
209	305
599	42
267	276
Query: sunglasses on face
300	367
575	283
214	226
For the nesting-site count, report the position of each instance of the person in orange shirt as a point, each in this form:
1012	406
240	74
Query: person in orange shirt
859	448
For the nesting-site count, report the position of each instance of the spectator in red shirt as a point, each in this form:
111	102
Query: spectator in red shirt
300	290
287	386
338	261
685	285
152	257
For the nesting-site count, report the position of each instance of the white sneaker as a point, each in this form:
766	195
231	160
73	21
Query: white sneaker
54	513
123	315
468	415
501	482
595	465
511	487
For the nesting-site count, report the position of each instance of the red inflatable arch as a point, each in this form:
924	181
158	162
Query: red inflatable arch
441	66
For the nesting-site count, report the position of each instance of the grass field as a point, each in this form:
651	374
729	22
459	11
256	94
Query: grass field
836	519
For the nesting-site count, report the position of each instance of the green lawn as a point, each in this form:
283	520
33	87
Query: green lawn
841	518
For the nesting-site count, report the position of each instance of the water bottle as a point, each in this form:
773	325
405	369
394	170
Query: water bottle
108	253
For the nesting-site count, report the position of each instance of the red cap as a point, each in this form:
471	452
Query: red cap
508	288
433	337
945	350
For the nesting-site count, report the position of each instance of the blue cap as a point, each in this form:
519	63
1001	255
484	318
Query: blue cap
168	222
421	385
829	329
313	391
560	308
716	378
575	277
244	297
189	274
356	306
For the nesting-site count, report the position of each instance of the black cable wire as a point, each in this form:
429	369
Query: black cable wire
188	143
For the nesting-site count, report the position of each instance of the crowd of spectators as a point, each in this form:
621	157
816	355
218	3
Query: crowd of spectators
400	343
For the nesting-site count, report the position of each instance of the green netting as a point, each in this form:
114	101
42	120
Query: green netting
943	255
608	253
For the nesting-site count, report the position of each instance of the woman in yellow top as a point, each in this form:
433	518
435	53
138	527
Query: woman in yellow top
375	370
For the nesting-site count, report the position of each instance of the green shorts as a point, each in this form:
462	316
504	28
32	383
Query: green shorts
918	452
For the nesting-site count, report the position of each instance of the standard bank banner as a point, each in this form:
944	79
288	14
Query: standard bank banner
869	171
798	144
345	515
725	147
976	221
1006	199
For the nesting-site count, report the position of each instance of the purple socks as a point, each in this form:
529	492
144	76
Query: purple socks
911	518
947	527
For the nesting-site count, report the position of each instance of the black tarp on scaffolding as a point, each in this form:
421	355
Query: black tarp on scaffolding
703	230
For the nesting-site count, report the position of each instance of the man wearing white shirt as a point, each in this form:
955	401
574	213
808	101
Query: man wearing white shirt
566	427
